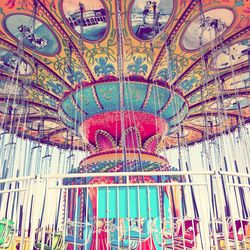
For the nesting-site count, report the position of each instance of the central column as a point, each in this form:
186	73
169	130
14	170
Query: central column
122	136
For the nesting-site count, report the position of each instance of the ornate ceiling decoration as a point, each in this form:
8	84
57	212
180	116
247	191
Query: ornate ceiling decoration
54	50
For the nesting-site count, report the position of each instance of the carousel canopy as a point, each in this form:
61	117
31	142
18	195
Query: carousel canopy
183	65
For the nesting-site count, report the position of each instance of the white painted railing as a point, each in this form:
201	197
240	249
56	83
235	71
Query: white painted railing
216	206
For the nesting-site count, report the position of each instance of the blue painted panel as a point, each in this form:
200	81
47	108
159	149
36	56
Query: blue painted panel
179	118
158	98
174	107
134	95
69	108
133	202
69	123
109	96
86	101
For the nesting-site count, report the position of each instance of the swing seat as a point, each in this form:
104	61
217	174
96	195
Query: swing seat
6	232
73	239
185	235
47	240
39	246
240	227
57	243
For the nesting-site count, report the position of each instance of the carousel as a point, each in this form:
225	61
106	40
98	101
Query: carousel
124	124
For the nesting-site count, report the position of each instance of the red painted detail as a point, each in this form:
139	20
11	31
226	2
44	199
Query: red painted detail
147	124
147	244
103	141
148	155
152	144
185	234
240	227
132	138
100	238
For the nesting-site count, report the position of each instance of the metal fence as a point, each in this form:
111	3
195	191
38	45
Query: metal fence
207	210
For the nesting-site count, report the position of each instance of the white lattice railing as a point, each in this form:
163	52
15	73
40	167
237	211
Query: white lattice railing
213	212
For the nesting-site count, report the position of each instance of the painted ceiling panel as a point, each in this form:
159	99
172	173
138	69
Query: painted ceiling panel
195	50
